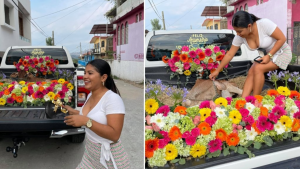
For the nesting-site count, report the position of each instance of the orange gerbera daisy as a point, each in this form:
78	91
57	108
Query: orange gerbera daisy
19	99
54	81
204	128
41	88
51	64
13	95
272	92
240	104
65	83
259	98
210	60
48	64
255	128
150	146
201	56
220	57
212	70
33	96
184	57
165	59
6	92
15	63
30	84
175	53
1	84
56	96
221	134
42	65
232	139
264	111
56	62
175	133
296	125
44	73
43	83
190	60
295	95
36	62
20	60
180	110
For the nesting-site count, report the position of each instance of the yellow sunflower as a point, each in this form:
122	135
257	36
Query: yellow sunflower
151	106
221	101
24	89
61	81
51	95
285	120
204	112
284	91
2	101
171	152
70	86
235	116
187	72
198	150
22	82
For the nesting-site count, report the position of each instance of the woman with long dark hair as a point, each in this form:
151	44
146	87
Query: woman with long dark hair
257	33
103	115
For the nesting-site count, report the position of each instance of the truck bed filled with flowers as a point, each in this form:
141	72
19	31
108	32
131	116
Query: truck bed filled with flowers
225	126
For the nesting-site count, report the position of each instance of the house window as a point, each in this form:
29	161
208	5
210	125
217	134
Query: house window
237	9
126	33
207	27
211	27
123	35
261	1
136	18
140	16
216	26
21	30
246	7
102	44
119	35
6	13
241	9
257	2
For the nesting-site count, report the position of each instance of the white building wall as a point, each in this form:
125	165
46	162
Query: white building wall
122	69
9	34
127	6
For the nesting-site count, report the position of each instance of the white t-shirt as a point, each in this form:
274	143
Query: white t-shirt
110	103
265	29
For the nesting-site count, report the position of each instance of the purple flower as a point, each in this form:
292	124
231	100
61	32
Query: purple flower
10	100
211	120
193	54
215	145
190	140
204	104
250	99
195	132
262	123
163	110
208	52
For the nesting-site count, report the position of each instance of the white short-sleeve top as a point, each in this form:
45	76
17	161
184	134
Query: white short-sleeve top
110	103
265	28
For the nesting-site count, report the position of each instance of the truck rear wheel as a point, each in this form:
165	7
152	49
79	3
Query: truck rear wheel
77	138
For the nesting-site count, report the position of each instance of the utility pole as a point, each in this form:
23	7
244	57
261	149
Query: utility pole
163	19
191	27
53	37
80	48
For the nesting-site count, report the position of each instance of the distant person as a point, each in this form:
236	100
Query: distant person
257	33
103	115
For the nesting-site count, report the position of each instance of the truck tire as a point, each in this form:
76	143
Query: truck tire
77	138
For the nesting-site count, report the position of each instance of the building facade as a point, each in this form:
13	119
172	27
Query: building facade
100	46
212	24
15	26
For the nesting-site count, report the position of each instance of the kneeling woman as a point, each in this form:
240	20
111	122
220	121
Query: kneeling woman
257	33
103	115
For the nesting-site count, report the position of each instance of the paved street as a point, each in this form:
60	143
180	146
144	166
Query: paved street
44	153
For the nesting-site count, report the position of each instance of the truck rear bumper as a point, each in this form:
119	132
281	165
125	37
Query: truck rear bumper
62	133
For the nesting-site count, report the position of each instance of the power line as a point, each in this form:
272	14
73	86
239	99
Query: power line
41	30
81	24
186	13
63	16
59	10
156	4
154	9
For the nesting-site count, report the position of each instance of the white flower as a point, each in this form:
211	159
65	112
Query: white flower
279	127
17	86
220	112
251	134
69	93
158	119
268	106
46	98
200	69
35	85
34	70
29	99
250	107
179	71
293	109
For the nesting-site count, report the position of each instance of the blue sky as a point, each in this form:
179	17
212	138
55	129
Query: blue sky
179	14
75	25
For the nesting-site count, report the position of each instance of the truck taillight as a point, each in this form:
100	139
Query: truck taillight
82	92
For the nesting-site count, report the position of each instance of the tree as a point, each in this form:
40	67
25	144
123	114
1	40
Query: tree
224	1
155	24
49	41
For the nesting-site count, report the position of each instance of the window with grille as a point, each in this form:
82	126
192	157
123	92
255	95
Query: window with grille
140	16
102	44
6	13
241	9
261	1
136	18
257	2
126	33
123	35
216	26
119	35
246	7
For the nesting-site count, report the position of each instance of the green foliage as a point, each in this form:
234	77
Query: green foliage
155	24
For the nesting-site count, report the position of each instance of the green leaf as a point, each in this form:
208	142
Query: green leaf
242	123
175	161
226	151
233	148
182	161
158	135
250	154
241	150
290	135
295	138
209	155
285	135
268	140
257	145
249	143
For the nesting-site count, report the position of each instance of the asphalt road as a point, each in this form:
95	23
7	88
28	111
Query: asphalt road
45	153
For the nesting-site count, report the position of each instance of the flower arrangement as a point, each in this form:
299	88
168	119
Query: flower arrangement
218	127
202	61
37	64
35	94
284	76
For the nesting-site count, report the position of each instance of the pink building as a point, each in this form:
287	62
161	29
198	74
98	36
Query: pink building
285	13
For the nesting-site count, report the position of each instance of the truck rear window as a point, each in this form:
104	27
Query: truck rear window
56	53
161	45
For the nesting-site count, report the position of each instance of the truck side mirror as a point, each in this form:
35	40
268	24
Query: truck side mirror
75	65
0	60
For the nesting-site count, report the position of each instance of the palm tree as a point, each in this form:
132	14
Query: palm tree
49	41
155	24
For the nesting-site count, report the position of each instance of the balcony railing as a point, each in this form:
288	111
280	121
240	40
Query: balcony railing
24	39
230	2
